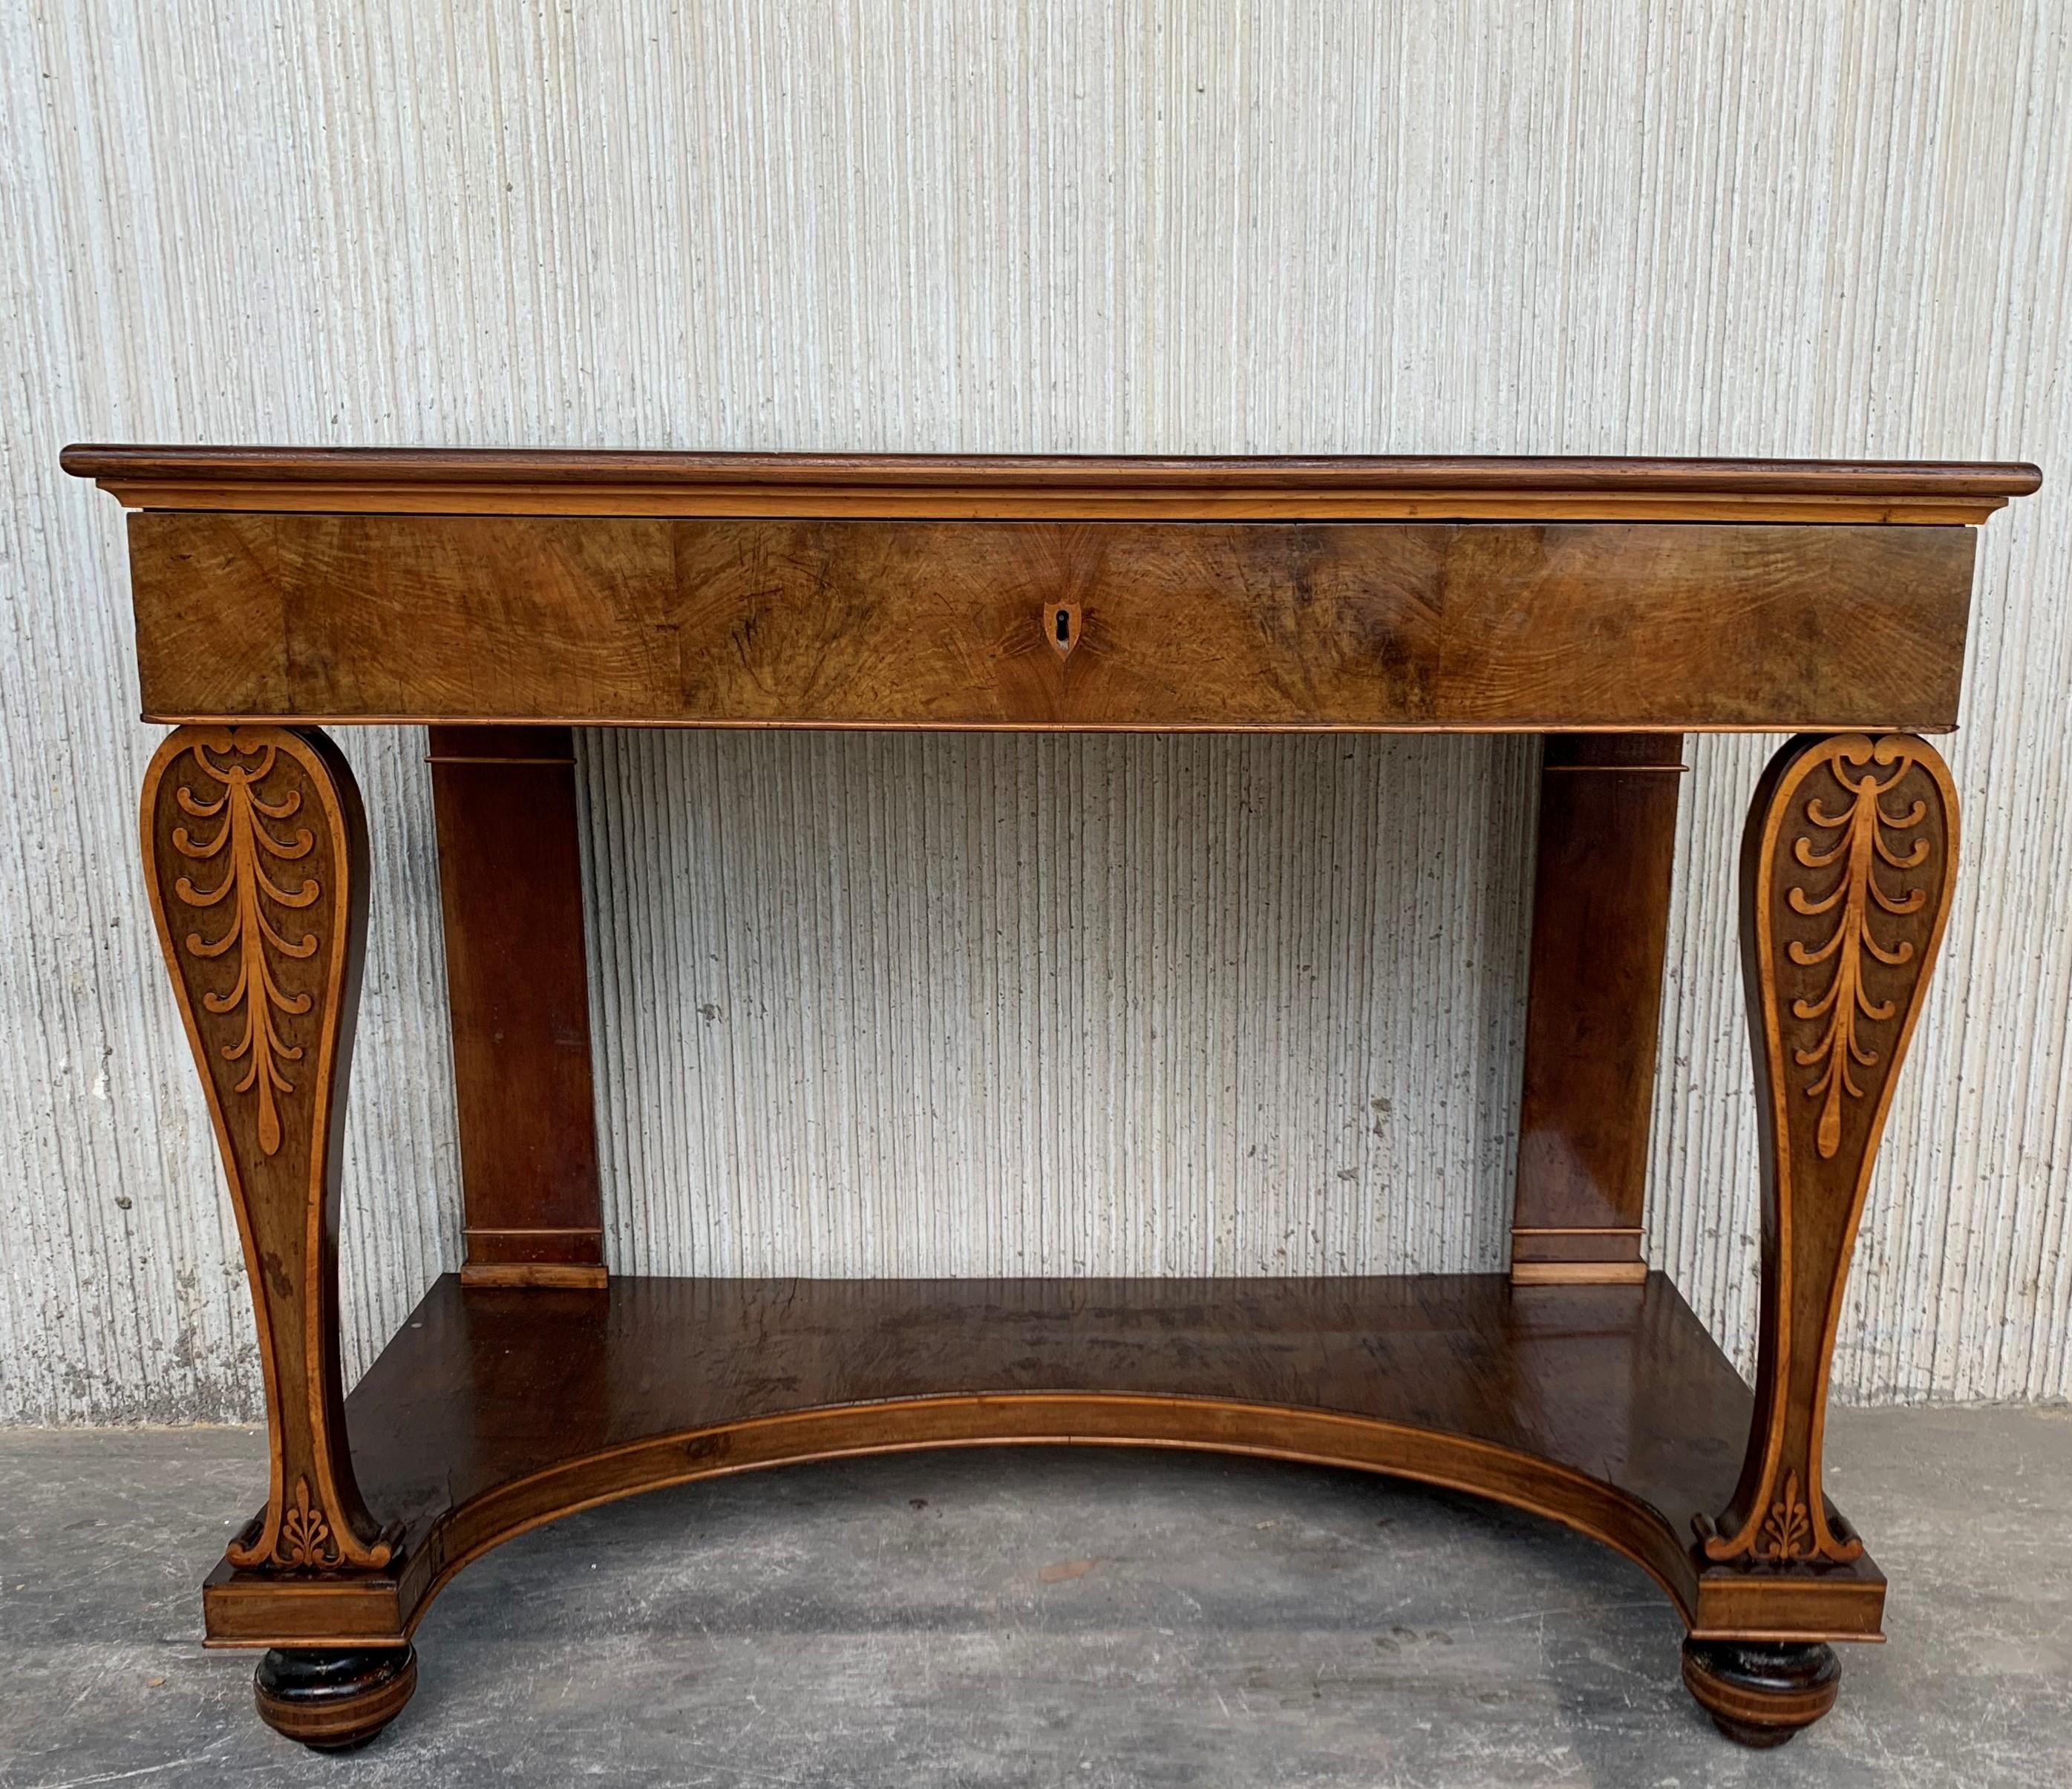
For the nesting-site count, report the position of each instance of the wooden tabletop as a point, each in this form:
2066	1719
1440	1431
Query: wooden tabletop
430	480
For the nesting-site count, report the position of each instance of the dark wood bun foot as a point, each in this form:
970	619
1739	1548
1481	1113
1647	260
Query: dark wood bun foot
334	1702
1760	1695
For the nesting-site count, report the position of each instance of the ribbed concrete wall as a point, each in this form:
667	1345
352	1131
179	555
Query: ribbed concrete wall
1059	1006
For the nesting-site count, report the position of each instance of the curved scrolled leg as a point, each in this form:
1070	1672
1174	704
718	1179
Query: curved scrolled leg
255	858
334	1702
1761	1696
1847	869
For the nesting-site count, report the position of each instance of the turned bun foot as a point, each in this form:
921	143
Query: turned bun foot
334	1702
1760	1694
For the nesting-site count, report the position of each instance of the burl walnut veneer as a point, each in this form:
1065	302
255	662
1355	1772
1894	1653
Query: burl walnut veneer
1614	606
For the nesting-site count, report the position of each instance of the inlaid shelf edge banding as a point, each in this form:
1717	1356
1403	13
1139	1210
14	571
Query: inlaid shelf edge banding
1631	1422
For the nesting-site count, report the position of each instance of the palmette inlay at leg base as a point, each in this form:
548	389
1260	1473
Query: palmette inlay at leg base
334	1702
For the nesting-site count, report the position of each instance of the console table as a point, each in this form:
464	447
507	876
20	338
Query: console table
503	598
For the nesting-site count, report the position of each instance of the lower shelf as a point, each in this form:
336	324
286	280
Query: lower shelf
493	1410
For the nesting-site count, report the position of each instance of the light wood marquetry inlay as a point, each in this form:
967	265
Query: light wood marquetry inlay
1856	843
254	857
243	847
305	1537
1846	876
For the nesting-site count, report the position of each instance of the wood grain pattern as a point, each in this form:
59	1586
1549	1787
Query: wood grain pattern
1074	487
1607	1408
1847	866
1607	841
1202	625
255	858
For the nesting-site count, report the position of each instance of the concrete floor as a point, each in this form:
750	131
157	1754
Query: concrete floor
1045	1616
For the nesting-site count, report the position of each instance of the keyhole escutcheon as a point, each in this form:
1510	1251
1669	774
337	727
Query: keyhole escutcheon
1062	626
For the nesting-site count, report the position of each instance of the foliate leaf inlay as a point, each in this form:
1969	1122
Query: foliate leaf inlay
1860	893
244	838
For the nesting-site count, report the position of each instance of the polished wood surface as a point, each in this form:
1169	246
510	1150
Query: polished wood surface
1614	606
1608	1407
517	984
1761	1695
1177	625
1607	842
255	861
1847	866
1074	487
336	1699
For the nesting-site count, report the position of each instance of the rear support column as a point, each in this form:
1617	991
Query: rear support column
1600	924
511	885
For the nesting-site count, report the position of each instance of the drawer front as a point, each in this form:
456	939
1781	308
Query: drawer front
779	622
